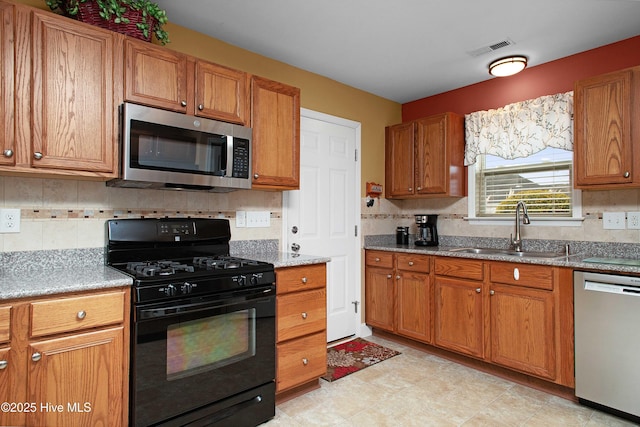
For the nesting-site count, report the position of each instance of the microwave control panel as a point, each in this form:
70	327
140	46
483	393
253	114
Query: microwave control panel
241	149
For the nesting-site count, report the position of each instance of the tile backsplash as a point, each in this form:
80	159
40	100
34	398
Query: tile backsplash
71	214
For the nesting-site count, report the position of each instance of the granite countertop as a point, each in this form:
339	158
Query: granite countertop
281	259
575	261
58	273
40	282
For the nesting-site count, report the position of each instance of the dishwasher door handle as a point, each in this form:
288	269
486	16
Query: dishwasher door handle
611	289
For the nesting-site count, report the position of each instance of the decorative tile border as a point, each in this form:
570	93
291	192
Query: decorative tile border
48	214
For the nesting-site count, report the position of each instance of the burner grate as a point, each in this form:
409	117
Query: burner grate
158	268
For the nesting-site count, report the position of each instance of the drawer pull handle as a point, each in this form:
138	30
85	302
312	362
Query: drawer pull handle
377	259
82	314
36	357
305	361
304	315
388	276
516	273
478	290
3	364
410	263
304	280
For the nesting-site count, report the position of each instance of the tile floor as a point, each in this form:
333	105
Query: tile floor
419	389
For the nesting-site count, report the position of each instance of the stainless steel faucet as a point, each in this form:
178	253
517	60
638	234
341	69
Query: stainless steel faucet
516	242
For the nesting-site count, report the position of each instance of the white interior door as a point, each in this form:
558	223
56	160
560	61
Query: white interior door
321	218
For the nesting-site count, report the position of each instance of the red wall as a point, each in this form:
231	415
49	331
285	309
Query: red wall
546	79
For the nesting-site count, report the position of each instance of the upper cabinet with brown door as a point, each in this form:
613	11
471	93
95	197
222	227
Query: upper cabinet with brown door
7	88
607	130
275	119
159	77
425	158
60	118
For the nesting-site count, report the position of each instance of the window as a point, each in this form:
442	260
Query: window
544	181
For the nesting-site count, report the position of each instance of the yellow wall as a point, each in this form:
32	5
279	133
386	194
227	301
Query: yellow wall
317	92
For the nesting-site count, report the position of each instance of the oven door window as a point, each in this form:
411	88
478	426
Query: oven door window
167	148
201	345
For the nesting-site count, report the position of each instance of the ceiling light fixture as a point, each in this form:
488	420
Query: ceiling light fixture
507	66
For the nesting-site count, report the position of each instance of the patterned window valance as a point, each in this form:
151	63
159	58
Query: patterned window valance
520	129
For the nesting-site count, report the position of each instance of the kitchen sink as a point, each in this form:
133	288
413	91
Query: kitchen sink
508	252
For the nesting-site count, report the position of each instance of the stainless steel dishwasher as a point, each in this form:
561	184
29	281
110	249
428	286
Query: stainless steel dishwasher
607	342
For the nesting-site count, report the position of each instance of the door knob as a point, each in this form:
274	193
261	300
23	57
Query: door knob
295	247
294	229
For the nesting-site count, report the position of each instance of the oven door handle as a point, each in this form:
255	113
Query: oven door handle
171	309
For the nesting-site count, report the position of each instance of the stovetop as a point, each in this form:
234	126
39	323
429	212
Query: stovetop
178	257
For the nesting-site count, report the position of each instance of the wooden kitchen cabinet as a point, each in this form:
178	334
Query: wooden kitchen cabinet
7	86
425	158
163	78
459	307
523	318
5	353
275	120
413	296
68	359
607	132
66	87
301	326
398	294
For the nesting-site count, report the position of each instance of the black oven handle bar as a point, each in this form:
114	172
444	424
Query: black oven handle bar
175	308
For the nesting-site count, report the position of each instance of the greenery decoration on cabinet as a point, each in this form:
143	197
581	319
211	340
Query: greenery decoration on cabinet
136	18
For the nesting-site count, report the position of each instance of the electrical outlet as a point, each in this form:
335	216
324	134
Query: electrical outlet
9	220
241	219
613	221
633	220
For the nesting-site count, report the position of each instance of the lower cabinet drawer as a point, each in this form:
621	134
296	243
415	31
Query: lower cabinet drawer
301	360
76	313
301	314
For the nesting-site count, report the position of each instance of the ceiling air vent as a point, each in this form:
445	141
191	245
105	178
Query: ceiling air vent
491	47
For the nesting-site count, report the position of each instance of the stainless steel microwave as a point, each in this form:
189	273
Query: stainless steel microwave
167	150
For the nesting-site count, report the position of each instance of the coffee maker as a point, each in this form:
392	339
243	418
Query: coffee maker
427	231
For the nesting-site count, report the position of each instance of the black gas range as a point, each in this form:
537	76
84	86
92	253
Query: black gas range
203	324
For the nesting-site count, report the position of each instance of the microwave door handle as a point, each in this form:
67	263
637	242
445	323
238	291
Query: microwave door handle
229	167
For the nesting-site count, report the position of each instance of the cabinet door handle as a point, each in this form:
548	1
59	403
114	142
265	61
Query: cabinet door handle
37	155
410	189
492	292
256	176
3	364
478	290
36	357
183	103
398	277
200	107
8	153
304	315
627	174
82	314
419	188
305	361
388	276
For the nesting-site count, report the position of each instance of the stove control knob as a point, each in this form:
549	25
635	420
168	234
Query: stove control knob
254	280
242	280
186	288
170	290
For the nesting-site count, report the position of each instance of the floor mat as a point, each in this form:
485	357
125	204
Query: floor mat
353	356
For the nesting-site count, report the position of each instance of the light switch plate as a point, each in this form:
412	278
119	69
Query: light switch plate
257	219
613	221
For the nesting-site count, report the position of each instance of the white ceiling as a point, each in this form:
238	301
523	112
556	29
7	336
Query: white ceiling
405	50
